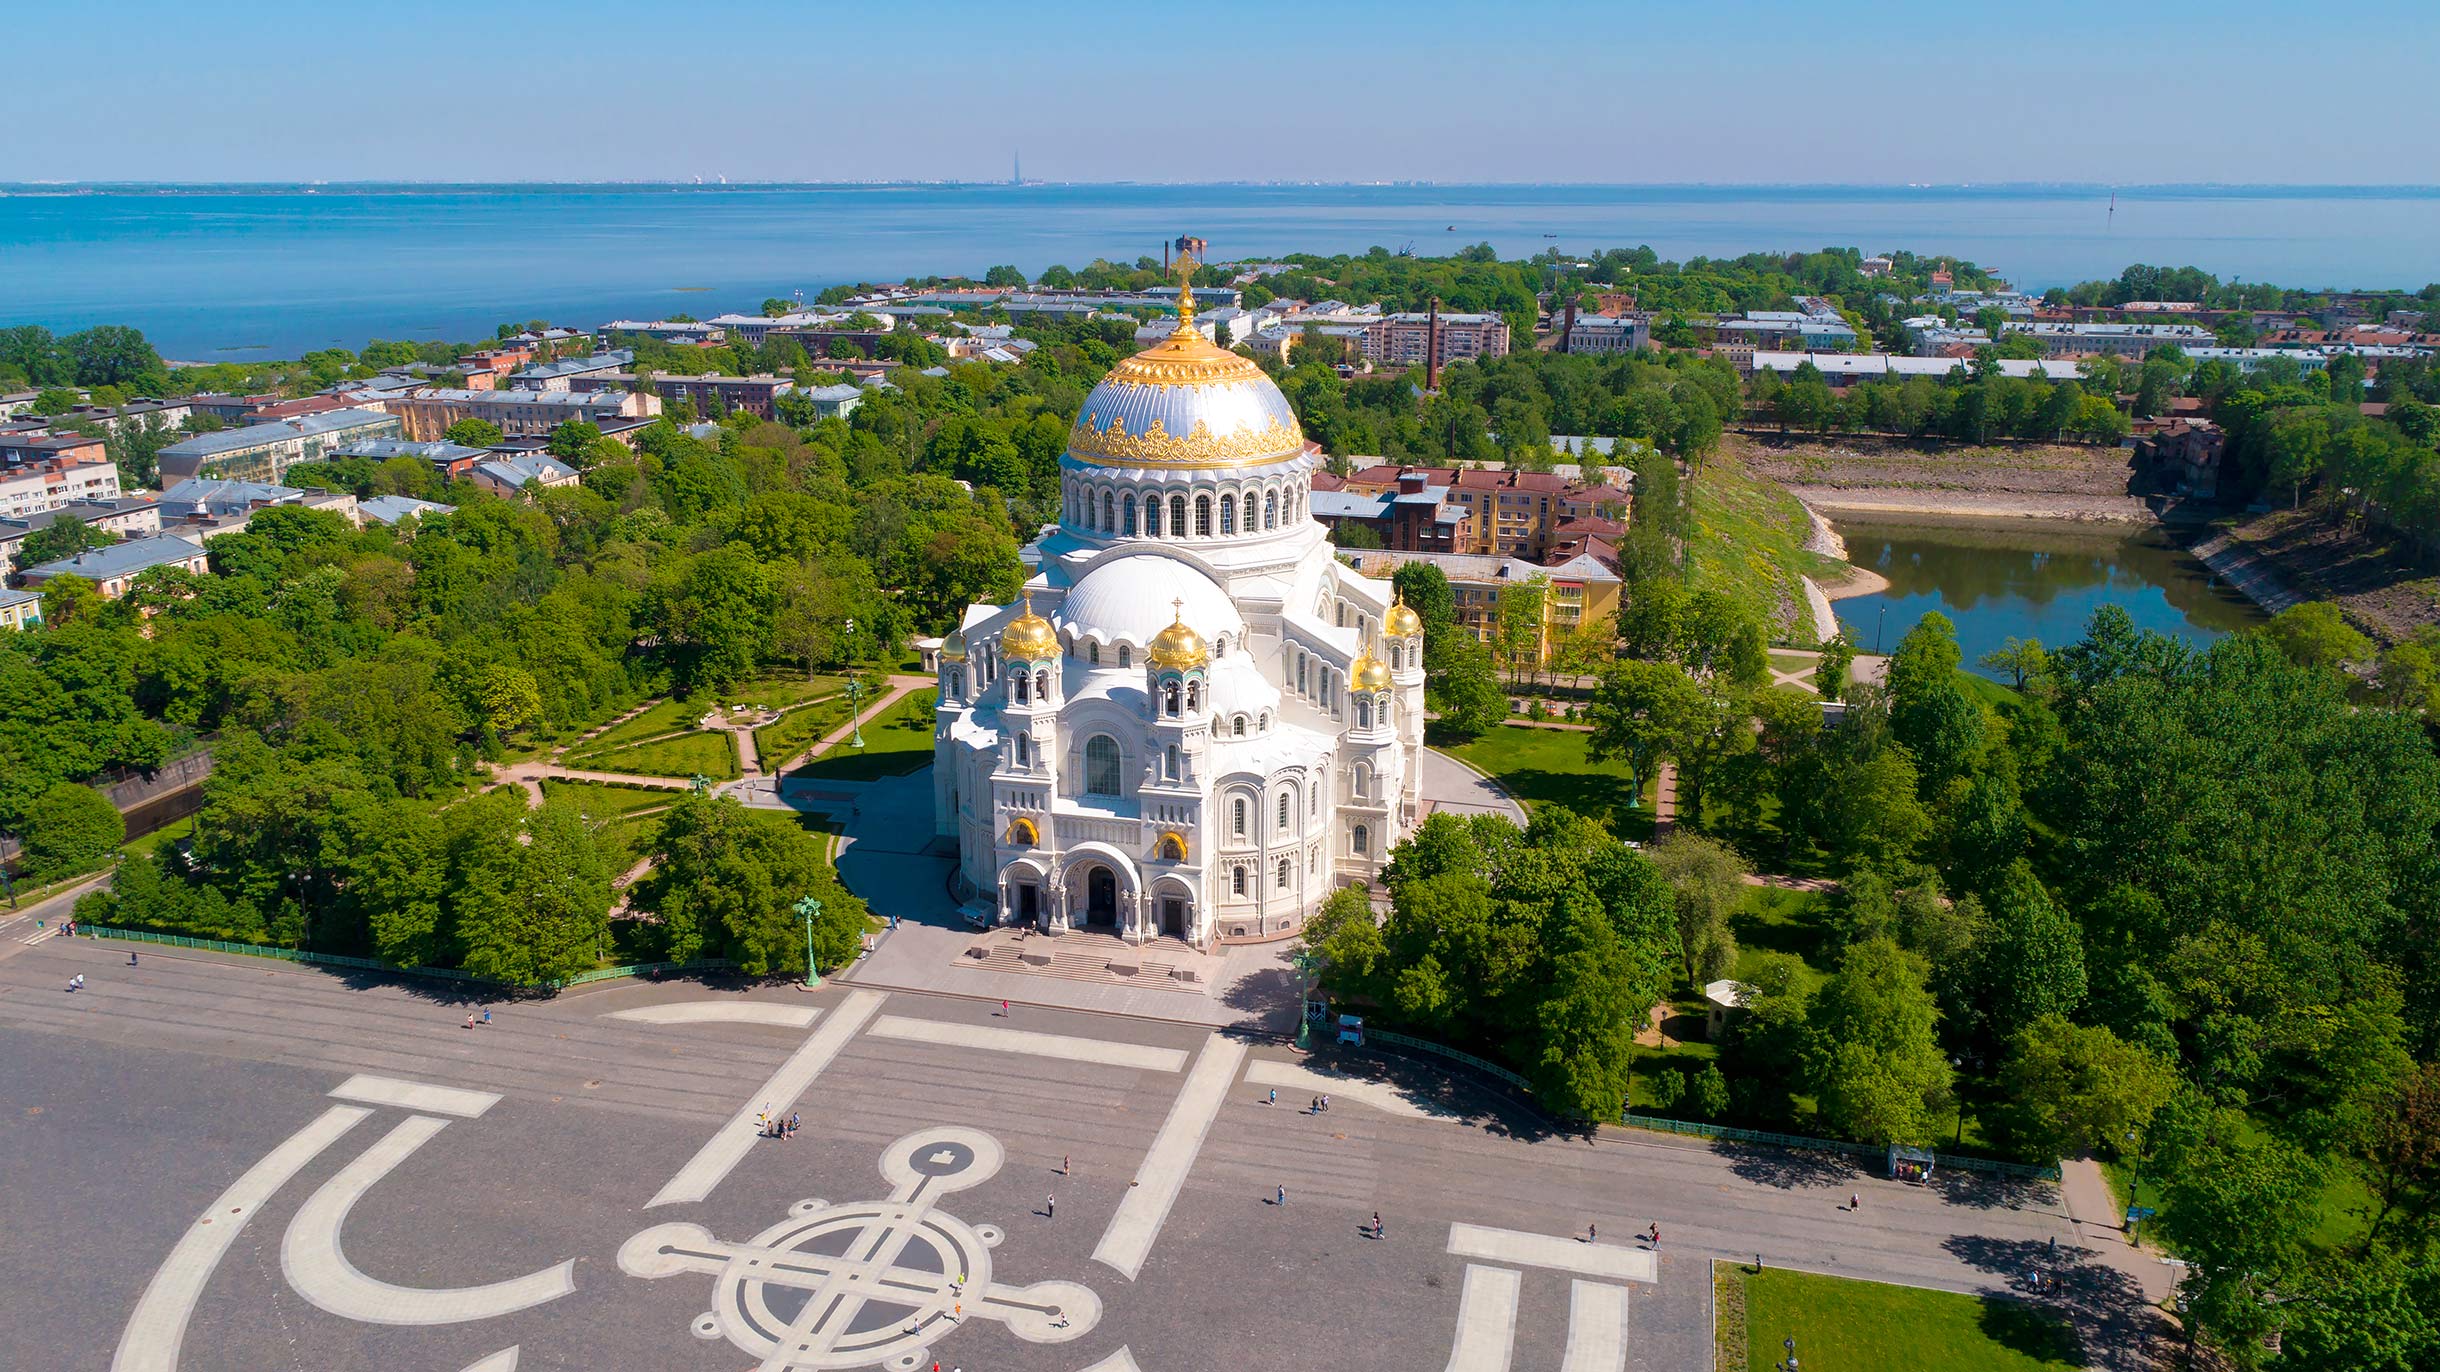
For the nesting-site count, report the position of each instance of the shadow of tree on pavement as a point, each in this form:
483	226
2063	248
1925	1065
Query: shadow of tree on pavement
2105	1306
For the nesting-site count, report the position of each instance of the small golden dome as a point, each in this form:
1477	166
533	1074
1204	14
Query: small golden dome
954	646
1029	637
1403	622
1178	646
1369	672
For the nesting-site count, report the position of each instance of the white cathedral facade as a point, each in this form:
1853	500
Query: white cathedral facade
1196	722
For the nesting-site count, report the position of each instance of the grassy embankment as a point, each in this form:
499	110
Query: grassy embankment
1749	541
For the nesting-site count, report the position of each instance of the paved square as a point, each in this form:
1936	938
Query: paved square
227	1165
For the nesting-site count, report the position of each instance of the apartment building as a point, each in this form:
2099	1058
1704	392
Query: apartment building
20	610
713	395
1411	515
1406	339
447	460
2062	338
1578	590
265	451
428	413
1602	333
32	487
115	568
558	376
684	332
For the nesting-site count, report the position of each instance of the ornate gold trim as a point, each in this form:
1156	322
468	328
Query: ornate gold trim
1169	836
1157	447
1183	359
1022	830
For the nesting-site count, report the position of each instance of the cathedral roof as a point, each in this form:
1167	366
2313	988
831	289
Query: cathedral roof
1369	673
1185	402
1133	598
1403	621
1029	637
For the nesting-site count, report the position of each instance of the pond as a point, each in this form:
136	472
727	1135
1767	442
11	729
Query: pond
2031	579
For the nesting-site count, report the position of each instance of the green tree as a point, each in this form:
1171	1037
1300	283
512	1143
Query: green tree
2023	659
1587	1017
1837	659
2315	634
1708	879
68	830
2236	1206
1643	713
1875	1063
63	537
726	880
537	911
1710	1091
1463	688
1516	625
2073	1088
473	433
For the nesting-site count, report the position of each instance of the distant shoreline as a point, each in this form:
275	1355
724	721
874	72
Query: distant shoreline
2217	189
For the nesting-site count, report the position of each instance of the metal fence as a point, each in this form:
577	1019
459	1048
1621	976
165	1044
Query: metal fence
258	950
1455	1055
1993	1166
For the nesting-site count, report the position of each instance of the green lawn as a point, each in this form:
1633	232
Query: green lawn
665	717
1548	767
778	693
2341	1208
683	755
1770	920
898	741
603	800
1857	1326
796	730
175	832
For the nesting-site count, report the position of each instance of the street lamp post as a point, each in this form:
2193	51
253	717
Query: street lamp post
855	691
1877	625
2134	1186
809	907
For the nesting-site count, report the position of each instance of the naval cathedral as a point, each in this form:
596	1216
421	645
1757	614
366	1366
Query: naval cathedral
1195	723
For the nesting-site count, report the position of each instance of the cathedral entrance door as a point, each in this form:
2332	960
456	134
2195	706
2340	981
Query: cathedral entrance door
1029	903
1101	896
1173	916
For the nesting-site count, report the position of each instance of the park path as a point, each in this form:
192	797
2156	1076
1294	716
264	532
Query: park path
2125	1332
899	684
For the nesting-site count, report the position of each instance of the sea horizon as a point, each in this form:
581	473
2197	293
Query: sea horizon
248	270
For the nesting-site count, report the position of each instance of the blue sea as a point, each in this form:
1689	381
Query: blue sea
220	273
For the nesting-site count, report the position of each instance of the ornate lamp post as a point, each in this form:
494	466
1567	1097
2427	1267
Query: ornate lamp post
809	907
855	691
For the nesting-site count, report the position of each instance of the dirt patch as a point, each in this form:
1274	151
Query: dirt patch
2028	480
2374	582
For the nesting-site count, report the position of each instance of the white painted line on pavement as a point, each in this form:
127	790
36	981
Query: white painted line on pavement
1145	1207
1596	1328
316	1265
1380	1095
1121	1361
367	1089
1486	1320
158	1326
721	1012
503	1361
1548	1250
996	1040
721	1153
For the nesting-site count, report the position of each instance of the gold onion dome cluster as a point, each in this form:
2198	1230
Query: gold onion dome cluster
1178	647
1029	637
1185	402
1369	673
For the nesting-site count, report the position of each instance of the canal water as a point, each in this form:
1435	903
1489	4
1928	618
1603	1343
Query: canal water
2031	579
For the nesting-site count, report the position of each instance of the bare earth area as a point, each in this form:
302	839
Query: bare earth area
1894	476
2379	589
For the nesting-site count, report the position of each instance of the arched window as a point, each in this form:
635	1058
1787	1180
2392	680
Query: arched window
1025	751
1283	812
1203	516
1177	516
1228	514
957	683
1362	782
1342	611
1126	656
1042	685
1171	763
1236	881
1363	713
1092	653
1101	766
1018	685
1270	510
1236	817
1109	513
1220	646
1388	711
1194	696
1126	515
1265	725
1169	700
1300	675
1237	726
1152	516
1397	658
1287	873
1363	840
1317	797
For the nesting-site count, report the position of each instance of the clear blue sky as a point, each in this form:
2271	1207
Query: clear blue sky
1726	91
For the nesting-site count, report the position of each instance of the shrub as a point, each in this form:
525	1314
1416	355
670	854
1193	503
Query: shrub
1668	1089
1710	1092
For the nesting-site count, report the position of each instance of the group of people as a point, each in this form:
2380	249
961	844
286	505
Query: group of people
473	1019
773	1126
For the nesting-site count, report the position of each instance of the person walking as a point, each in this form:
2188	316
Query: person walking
796	1121
1855	1202
470	1019
1274	1100
1067	1165
487	1016
1050	1206
131	957
1592	1232
1003	1009
1376	1224
1281	1199
1656	1235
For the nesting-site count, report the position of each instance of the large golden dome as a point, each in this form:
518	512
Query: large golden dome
1369	673
1185	402
1403	622
1029	637
1178	647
